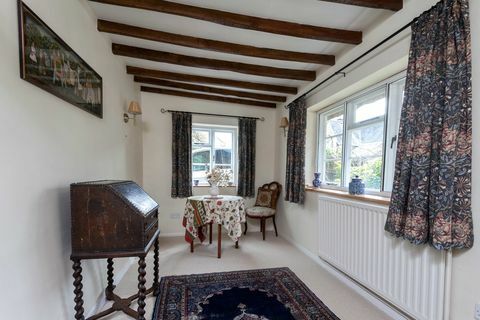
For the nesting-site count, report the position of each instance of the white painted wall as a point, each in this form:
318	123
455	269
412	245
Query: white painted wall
46	145
157	139
298	223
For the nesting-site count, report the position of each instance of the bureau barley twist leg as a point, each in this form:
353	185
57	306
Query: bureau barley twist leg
110	285
141	288
110	273
77	283
156	268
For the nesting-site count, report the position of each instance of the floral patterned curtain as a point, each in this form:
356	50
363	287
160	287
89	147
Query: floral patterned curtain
181	154
295	173
431	198
246	156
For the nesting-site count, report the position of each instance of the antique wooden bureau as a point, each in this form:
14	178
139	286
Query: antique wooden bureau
113	219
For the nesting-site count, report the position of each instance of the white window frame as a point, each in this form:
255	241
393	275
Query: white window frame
218	128
391	121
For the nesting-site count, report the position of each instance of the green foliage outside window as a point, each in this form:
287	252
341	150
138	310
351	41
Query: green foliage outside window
370	172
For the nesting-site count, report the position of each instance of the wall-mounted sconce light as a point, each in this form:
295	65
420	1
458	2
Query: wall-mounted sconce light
284	125
134	109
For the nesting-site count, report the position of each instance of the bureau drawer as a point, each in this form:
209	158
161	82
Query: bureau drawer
149	221
150	232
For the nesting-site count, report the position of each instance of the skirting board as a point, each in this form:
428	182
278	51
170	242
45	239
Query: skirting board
117	278
171	235
371	297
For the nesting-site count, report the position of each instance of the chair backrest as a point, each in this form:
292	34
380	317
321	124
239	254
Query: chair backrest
275	188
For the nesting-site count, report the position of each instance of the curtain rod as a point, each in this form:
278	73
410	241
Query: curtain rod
213	114
342	70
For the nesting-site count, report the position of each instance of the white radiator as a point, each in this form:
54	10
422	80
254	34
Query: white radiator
415	279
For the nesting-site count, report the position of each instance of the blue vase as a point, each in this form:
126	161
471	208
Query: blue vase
356	186
317	182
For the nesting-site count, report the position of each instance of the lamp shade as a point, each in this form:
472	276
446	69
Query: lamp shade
134	108
284	123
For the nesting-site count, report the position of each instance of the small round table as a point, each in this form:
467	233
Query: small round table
226	211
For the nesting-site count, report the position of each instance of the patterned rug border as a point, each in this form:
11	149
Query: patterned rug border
287	270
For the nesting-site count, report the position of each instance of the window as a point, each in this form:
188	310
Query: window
358	137
213	146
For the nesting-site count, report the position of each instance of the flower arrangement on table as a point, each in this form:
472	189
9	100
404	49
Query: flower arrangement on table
219	177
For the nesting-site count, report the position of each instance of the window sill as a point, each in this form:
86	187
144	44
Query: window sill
380	200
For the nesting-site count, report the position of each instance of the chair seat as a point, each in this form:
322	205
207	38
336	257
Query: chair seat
260	212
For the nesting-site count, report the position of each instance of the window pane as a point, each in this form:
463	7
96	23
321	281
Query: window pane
365	156
333	172
200	137
201	155
333	148
223	140
223	156
199	172
369	107
334	124
223	149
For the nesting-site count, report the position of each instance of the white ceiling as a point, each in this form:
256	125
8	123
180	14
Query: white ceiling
311	12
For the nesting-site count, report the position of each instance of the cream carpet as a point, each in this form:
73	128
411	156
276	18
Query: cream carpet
176	259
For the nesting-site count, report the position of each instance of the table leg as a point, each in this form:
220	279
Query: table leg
77	283
141	288
219	254
211	233
156	268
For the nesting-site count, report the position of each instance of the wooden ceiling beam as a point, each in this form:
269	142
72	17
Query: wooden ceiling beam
242	21
210	80
212	45
195	87
214	64
207	97
394	5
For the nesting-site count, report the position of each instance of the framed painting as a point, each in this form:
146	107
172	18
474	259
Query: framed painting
49	63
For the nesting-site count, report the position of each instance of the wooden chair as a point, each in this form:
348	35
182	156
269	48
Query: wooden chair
265	206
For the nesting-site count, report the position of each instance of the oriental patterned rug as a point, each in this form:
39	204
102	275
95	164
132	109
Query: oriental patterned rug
265	294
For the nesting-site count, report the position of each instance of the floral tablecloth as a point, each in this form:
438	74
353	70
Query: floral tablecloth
229	211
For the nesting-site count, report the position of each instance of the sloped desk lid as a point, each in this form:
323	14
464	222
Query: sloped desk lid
130	193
